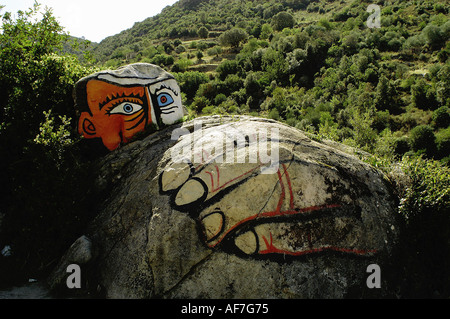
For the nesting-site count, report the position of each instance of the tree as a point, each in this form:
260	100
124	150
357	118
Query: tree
443	85
433	36
227	67
233	37
423	95
441	117
266	31
199	55
385	96
422	138
190	82
283	20
203	32
42	176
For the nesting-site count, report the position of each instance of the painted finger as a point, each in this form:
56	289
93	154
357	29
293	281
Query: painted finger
341	234
243	205
209	184
174	176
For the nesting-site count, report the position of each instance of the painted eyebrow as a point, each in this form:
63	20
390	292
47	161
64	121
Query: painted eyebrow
163	86
118	96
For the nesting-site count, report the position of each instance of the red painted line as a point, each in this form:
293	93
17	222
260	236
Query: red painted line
283	193
291	203
273	214
208	156
213	190
212	179
218	175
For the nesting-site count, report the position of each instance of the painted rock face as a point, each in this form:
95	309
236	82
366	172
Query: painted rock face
116	105
265	192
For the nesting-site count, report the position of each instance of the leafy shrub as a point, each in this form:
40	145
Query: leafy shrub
190	82
180	49
226	68
162	60
214	51
423	95
385	96
443	145
203	32
200	103
181	65
233	37
429	188
433	35
422	138
274	114
220	98
283	20
441	117
266	31
401	146
425	198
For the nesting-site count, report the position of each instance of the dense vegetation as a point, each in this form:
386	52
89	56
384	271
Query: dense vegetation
43	202
314	65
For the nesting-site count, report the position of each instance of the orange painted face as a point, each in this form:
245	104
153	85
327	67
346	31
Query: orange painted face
116	113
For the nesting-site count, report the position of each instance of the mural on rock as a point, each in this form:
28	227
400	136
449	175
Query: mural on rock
116	105
303	207
295	206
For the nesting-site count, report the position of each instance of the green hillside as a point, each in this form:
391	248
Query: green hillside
314	64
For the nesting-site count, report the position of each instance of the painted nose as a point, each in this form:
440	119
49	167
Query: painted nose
113	136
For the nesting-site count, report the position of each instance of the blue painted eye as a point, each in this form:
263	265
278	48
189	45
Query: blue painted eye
126	108
164	99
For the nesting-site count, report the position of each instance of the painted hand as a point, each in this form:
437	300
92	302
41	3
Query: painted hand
289	212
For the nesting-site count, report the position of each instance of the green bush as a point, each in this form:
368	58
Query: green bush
423	245
274	114
422	138
200	103
443	143
428	189
226	68
423	95
220	98
233	37
163	60
203	32
433	35
190	82
401	146
214	51
180	49
266	31
181	65
283	20
385	96
441	117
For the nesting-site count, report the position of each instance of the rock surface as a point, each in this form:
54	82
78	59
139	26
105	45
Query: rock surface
241	208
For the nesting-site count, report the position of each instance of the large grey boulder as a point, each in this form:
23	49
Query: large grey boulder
225	207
